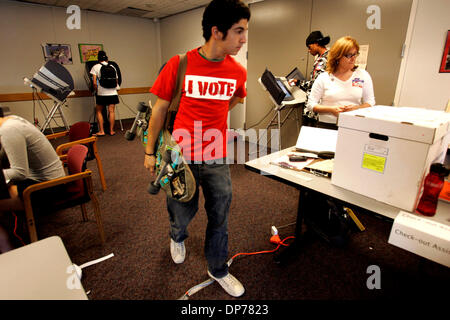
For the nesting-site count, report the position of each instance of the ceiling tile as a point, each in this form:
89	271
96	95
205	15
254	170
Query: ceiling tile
140	8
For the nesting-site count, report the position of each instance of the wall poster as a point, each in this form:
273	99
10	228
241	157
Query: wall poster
89	52
60	53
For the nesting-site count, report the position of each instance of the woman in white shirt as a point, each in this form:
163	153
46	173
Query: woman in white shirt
343	87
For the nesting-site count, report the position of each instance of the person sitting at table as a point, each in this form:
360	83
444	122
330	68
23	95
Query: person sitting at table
32	159
343	87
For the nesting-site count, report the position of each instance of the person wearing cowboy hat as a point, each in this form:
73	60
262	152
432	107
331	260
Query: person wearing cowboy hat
316	44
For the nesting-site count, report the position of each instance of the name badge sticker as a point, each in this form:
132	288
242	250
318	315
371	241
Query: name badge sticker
357	82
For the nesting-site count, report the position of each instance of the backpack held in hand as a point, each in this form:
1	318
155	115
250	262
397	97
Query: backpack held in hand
173	173
108	76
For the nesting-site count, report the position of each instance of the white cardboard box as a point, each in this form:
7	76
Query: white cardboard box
385	152
422	236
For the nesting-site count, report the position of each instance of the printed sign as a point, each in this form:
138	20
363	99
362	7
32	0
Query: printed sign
209	88
373	162
422	236
89	52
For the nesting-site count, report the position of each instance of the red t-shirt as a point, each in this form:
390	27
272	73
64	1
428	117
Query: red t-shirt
200	126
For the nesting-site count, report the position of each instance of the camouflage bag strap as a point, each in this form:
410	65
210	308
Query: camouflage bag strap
175	102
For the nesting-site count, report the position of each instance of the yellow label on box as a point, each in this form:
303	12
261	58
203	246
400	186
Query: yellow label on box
373	162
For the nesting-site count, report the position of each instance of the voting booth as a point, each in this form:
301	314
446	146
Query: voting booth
283	95
56	82
385	152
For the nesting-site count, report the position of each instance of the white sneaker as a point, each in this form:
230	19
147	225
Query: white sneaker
178	251
230	284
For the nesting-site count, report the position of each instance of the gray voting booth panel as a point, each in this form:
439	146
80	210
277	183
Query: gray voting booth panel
54	79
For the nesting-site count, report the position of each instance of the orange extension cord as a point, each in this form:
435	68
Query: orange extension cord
15	229
275	239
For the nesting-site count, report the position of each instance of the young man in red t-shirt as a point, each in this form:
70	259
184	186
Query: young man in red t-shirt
214	83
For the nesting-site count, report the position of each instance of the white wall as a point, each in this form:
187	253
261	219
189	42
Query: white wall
420	83
140	47
129	41
181	33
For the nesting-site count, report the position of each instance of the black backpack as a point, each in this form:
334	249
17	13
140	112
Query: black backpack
108	76
328	219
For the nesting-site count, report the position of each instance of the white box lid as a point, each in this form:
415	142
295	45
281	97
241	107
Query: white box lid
417	124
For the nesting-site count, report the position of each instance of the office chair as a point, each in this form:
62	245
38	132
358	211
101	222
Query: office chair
75	189
79	133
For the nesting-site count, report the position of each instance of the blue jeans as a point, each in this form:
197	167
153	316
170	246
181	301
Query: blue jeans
215	181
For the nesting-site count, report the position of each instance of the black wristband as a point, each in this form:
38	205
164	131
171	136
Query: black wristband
150	154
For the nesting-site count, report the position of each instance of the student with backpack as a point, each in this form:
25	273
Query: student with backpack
105	90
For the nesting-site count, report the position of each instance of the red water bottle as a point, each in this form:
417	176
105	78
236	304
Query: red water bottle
434	182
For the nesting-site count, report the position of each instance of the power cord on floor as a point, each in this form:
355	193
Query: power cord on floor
275	239
15	229
90	263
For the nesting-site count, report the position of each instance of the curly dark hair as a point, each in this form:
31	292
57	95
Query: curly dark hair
223	14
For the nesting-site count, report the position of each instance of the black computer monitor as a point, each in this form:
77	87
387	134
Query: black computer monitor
285	90
295	74
276	88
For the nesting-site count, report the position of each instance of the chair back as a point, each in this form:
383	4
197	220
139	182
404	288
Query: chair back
76	163
79	130
65	192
